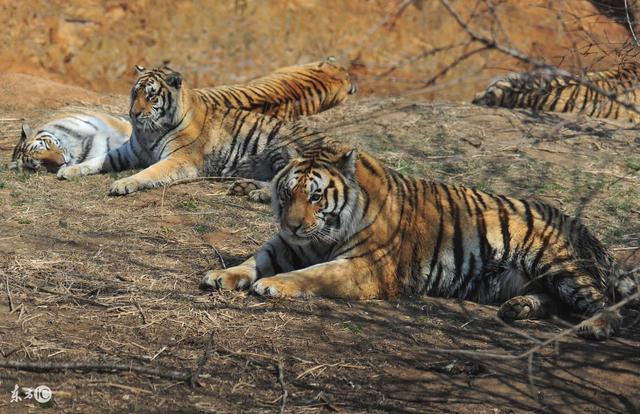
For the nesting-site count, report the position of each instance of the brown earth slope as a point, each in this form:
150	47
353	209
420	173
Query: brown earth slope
96	43
114	280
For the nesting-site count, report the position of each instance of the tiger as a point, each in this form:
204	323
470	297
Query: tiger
181	133
288	93
543	90
353	228
68	139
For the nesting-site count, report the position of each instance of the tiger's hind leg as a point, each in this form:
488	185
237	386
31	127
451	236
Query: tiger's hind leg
583	295
533	306
258	191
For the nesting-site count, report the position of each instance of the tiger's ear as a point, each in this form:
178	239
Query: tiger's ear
174	80
347	163
139	69
26	132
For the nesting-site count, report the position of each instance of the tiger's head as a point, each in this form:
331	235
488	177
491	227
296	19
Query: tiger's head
494	94
35	151
155	98
338	73
314	199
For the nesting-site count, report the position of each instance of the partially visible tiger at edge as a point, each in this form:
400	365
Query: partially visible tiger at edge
542	90
351	227
182	133
288	93
70	137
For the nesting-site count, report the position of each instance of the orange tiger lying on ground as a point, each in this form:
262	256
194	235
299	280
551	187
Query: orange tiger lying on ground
181	133
354	228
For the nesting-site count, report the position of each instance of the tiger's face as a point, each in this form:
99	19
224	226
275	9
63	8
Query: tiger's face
492	95
338	75
315	199
35	151
155	98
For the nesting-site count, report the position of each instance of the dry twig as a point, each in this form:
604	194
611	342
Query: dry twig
283	387
203	361
9	294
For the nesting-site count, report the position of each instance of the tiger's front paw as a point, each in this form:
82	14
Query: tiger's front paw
278	287
234	278
66	173
257	191
518	307
242	187
125	186
261	195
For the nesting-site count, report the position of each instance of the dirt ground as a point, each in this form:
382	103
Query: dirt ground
113	280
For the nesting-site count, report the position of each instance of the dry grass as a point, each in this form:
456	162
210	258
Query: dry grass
114	281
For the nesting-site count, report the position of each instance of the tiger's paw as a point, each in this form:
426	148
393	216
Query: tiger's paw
66	173
257	191
261	195
278	287
243	187
525	307
513	309
601	328
125	186
234	278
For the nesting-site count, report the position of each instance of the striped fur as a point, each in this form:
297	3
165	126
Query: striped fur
350	227
69	139
541	90
182	133
289	93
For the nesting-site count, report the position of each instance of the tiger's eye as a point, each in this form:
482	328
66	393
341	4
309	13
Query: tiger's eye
315	197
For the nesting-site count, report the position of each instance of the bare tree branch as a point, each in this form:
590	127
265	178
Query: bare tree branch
633	33
535	63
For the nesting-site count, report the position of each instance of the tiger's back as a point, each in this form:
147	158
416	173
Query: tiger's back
542	90
290	92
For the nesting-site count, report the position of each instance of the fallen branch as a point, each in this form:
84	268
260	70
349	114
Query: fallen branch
87	366
68	296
